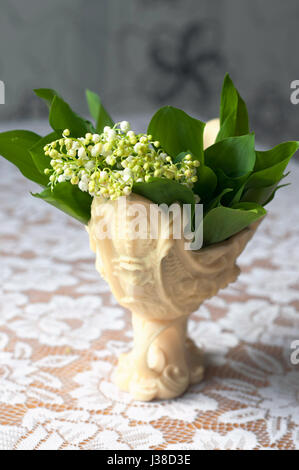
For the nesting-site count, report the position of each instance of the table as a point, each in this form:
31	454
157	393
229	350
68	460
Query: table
61	331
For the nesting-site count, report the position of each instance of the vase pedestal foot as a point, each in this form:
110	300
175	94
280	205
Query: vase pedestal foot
162	362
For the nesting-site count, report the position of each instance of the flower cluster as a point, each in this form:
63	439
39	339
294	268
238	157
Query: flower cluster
109	164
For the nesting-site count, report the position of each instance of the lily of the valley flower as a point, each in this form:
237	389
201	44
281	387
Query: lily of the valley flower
109	164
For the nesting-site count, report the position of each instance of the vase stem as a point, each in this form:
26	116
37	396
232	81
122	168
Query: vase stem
158	366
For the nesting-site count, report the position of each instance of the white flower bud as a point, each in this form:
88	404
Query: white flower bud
124	126
83	186
84	178
127	174
111	134
106	150
103	175
96	138
89	165
127	191
81	152
110	160
137	147
96	150
53	153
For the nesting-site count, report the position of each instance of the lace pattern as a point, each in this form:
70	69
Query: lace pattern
61	332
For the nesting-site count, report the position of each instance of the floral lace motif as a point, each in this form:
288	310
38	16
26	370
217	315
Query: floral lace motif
61	332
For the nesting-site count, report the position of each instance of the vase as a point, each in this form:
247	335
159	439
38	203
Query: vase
161	283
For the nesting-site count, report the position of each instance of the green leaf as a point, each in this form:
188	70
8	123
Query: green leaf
235	156
38	154
276	155
270	167
47	94
98	112
274	192
233	112
264	194
259	195
69	199
234	183
206	183
216	201
163	190
177	132
237	195
222	222
63	117
14	146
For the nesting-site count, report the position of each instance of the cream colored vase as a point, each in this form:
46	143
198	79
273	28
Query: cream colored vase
161	283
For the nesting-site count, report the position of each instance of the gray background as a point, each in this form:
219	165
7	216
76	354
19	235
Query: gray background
141	54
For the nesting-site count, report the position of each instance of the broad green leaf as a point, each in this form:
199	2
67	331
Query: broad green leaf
235	156
259	195
217	200
263	194
237	195
38	154
206	183
269	169
69	199
47	94
233	112
234	183
63	117
98	112
268	176
163	190
268	172
276	155
14	146
177	132
274	192
222	222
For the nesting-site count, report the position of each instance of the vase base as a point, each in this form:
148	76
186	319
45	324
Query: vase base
159	380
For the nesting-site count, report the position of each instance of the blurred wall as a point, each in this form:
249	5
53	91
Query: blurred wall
140	54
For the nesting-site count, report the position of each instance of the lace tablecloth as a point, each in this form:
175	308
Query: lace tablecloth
61	331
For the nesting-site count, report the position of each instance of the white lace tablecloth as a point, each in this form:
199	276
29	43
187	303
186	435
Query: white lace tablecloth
61	331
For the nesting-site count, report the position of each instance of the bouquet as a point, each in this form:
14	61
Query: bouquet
82	160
